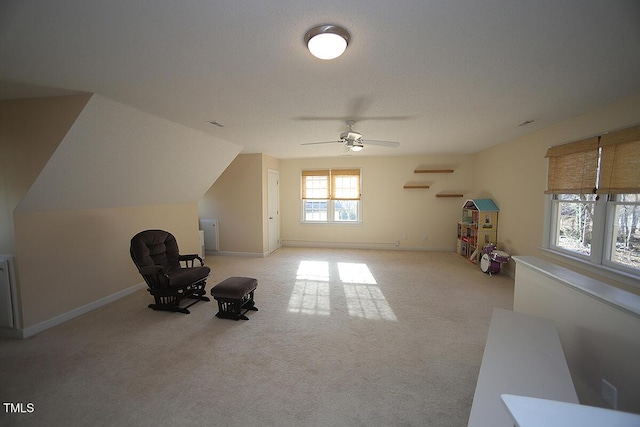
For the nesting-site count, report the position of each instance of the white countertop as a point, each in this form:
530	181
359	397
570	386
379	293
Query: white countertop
522	356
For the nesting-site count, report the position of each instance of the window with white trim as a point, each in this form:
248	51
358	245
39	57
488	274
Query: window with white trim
622	244
595	200
331	196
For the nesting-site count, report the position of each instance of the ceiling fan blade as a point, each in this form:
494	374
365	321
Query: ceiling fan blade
356	109
357	119
380	143
324	142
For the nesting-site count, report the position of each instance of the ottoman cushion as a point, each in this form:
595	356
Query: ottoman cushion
234	295
234	287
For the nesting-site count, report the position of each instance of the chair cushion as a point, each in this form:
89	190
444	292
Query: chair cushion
187	276
234	287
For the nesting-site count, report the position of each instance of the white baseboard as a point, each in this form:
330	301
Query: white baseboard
245	254
54	321
360	245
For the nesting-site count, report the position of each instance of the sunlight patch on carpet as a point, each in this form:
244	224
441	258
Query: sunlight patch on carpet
311	290
313	270
364	299
368	302
310	297
353	272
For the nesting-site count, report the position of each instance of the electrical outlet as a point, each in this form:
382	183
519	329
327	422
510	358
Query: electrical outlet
609	394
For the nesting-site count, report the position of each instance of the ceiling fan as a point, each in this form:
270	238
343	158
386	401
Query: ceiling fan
353	141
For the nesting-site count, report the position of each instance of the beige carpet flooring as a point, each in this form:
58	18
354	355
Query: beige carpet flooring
341	338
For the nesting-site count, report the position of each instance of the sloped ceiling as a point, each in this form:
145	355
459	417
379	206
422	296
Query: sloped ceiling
114	155
439	76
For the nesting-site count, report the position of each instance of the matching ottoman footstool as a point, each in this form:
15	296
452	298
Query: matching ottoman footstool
234	295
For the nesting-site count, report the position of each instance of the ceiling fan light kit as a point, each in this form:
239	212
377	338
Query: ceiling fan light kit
327	41
356	146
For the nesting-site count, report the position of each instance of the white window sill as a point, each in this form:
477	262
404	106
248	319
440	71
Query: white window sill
607	272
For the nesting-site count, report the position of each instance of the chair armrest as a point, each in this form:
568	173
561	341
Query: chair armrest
190	258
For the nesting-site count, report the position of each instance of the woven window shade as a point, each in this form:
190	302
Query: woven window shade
573	167
315	184
345	184
620	162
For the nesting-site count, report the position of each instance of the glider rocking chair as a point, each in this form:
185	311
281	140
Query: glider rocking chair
155	254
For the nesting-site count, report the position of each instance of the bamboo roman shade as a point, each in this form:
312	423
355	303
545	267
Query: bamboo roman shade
620	162
345	184
335	184
315	184
573	167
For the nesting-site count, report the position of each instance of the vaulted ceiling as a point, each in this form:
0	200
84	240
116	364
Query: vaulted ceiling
439	76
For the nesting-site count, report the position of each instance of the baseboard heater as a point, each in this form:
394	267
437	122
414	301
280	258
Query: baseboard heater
211	234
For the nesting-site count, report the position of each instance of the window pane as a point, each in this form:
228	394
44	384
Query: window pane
575	222
315	210
345	210
625	245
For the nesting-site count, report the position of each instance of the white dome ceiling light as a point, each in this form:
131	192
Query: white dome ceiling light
327	41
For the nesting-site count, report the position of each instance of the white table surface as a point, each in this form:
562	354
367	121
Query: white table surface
534	412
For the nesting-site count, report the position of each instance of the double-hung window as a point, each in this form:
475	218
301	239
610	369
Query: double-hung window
331	196
595	200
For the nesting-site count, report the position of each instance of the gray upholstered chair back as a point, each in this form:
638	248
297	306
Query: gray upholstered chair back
155	248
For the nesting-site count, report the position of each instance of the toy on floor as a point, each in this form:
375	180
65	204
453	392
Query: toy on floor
492	259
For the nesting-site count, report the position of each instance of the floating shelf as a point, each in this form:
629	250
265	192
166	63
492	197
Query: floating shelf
433	171
449	195
415	186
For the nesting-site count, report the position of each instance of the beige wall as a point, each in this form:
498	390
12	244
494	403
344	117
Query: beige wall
80	176
30	132
235	200
67	259
112	146
514	173
392	217
238	200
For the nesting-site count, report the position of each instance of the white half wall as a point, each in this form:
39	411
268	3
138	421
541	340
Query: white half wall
597	323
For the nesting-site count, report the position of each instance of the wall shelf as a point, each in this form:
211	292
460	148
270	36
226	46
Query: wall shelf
415	186
433	171
449	195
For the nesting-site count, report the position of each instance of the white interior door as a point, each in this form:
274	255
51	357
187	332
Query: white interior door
273	206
